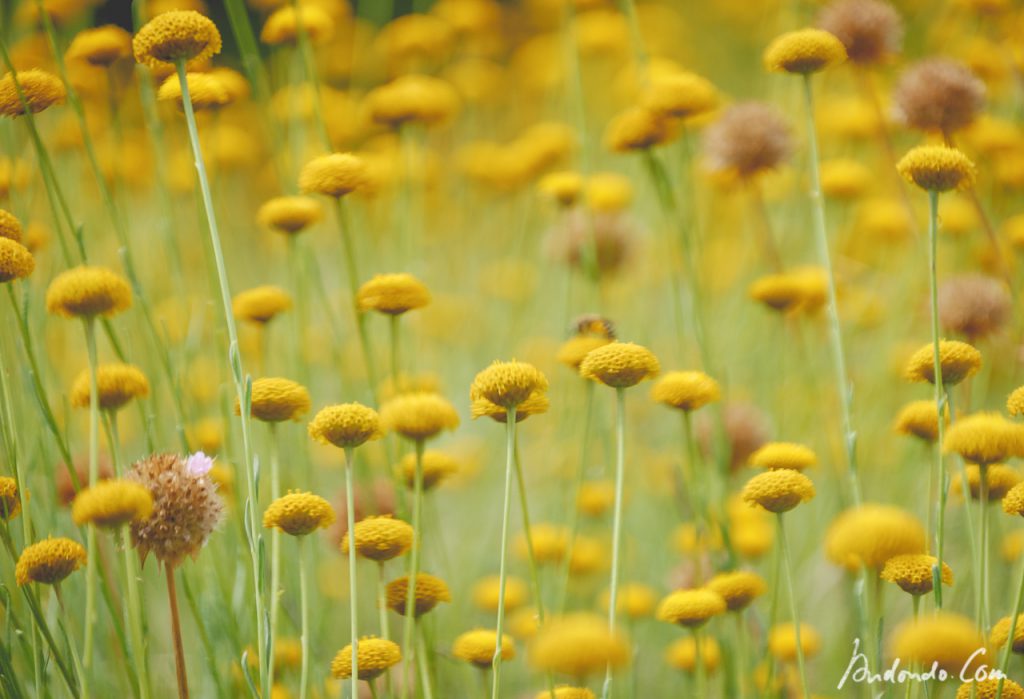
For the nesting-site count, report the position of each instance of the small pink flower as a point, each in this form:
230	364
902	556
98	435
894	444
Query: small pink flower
199	464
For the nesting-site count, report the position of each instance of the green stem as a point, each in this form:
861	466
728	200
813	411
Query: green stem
423	662
741	655
784	546
179	648
306	49
510	440
983	565
353	595
620	469
135	615
414	567
700	674
304	615
275	548
527	531
351	266
393	337
573	509
1004	665
93	559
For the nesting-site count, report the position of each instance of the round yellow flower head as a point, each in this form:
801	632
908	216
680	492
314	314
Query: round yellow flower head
178	35
685	390
16	262
800	289
778	491
620	364
277	400
116	384
844	178
985	438
39	89
205	90
430	591
10	502
776	455
564	186
487	593
937	168
49	561
298	513
596	497
913	572
566	692
261	304
436	467
374	655
508	384
804	51
10	226
87	292
392	294
574	350
412	98
958	361
346	425
988	688
289	215
637	128
1000	633
100	46
550	542
380	538
282	26
536	404
634	600
738	588
691	608
999	477
682	654
478	647
782	641
680	95
608	192
946	639
112	503
871	534
578	645
333	175
1015	402
418	416
919	418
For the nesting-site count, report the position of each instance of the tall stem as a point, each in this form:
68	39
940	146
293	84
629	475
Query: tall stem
351	268
939	471
700	674
792	606
510	440
1008	650
620	469
414	567
179	648
94	469
304	616
983	581
135	616
275	550
525	511
353	596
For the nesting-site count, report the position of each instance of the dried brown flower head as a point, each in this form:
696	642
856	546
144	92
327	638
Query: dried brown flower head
871	30
938	94
974	306
749	138
611	237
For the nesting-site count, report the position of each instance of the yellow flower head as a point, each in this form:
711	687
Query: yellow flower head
333	175
412	98
738	588
685	390
801	289
116	384
289	215
578	645
804	51
637	128
682	654
1015	402
1013	501
277	400
10	226
88	292
550	542
634	600
596	497
49	561
985	438
691	608
261	304
1000	633
913	572
574	350
919	418
205	90
680	95
1000	479
620	364
778	491
478	647
436	467
776	455
508	384
374	655
564	186
536	404
871	534
380	538
101	46
567	692
782	641
958	361
487	593
937	168
392	294
16	262
430	591
844	178
608	192
298	513
943	638
346	425
988	688
282	26
418	416
39	89
112	503
175	36
10	502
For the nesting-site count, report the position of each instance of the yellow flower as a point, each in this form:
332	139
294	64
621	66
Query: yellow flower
430	591
39	89
380	538
637	128
112	503
1000	478
913	572
392	294
550	542
282	26
620	364
1000	633
564	186
945	639
88	292
574	350
10	502
346	425
988	688
680	95
843	178
261	304
800	289
608	192
738	588
298	513
374	655
871	534
508	384
691	608
16	262
487	593
116	384
478	647
778	491
635	600
937	168
333	175
596	497
536	404
10	226
412	98
49	561
777	455
1013	501
577	645
958	361
101	46
436	467
804	51
277	400
685	390
782	641
985	438
919	418
682	654
418	416
1015	402
176	35
289	215
205	91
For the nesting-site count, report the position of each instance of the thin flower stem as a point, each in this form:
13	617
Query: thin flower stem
94	470
1004	664
179	648
941	396
510	440
275	547
531	558
784	546
134	614
741	655
414	569
983	565
382	610
620	470
304	617
700	674
835	332
393	337
308	62
574	509
351	266
423	661
696	498
353	596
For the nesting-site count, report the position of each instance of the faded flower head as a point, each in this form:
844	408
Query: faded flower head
749	138
938	94
974	305
871	30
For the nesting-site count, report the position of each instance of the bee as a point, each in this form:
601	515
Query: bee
594	324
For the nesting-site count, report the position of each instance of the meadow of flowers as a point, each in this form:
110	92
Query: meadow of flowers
553	349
